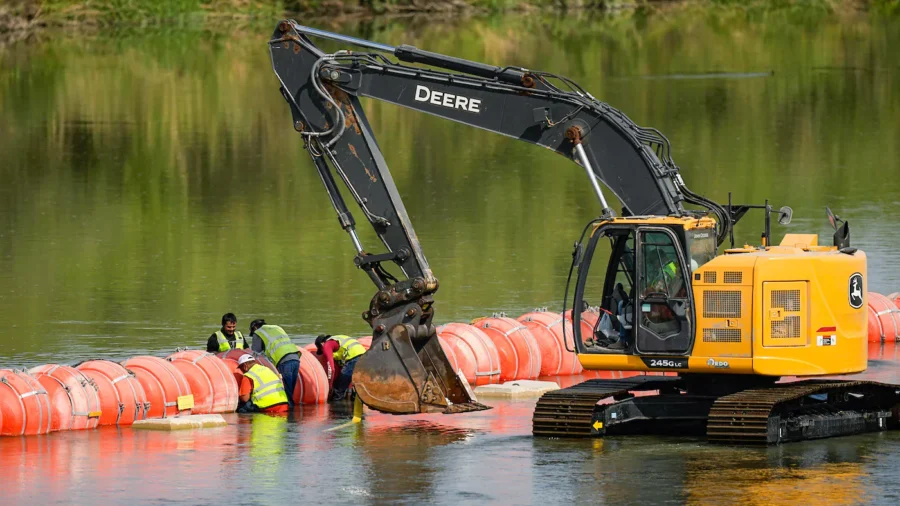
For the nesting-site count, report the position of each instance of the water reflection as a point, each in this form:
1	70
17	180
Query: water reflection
140	175
835	470
411	460
402	460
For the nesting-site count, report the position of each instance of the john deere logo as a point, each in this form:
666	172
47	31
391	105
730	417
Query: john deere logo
856	296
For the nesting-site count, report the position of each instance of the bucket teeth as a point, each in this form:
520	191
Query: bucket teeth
465	408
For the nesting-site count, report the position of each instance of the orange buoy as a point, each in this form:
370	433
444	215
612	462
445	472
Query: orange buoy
166	387
547	329
73	396
24	404
884	319
312	383
454	361
895	298
122	398
210	379
520	357
236	373
60	403
470	341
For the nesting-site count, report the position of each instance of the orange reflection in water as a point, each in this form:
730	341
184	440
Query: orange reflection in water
112	463
832	483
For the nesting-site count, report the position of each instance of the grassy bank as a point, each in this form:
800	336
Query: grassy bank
20	15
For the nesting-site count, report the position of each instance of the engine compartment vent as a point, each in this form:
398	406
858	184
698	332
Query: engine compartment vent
735	277
721	304
786	313
721	335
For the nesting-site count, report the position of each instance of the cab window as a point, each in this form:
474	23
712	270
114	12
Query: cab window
665	317
701	247
661	268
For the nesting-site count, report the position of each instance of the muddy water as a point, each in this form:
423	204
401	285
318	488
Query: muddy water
151	182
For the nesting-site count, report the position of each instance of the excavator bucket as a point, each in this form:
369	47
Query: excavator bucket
406	372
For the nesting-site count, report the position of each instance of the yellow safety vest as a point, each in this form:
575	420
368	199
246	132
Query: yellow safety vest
267	387
224	345
277	342
671	270
350	349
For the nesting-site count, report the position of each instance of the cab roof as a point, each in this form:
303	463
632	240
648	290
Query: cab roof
686	222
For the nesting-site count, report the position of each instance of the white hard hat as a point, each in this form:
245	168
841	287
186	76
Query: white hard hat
245	358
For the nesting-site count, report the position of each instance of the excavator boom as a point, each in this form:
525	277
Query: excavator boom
405	370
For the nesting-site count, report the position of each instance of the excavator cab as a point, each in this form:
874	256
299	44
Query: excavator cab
637	274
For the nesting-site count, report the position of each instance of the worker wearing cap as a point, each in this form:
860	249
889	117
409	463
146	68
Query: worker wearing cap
338	355
227	338
277	345
261	389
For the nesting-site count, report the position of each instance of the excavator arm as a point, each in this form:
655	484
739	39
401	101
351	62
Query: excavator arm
405	370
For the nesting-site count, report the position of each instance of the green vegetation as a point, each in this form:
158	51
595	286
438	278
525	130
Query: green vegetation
152	180
22	14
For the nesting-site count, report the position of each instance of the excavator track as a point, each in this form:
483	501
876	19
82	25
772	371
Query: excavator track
804	410
568	412
780	413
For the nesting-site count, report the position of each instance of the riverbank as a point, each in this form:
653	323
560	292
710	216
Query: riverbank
22	15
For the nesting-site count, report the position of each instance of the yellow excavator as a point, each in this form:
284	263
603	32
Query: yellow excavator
727	327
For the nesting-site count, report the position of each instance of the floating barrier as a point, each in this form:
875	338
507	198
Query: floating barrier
210	379
895	298
74	398
884	319
312	382
547	329
520	356
470	342
24	405
122	398
454	361
166	387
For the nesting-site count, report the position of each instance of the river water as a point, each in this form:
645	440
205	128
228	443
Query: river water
151	181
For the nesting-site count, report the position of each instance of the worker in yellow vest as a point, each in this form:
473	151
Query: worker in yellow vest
280	350
227	338
261	389
338	355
